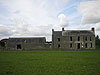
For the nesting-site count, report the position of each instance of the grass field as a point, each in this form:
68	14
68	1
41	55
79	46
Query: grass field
49	62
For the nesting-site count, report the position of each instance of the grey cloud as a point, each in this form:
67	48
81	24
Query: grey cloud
17	11
97	26
5	31
90	11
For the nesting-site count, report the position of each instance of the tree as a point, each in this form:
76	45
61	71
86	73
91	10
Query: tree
97	40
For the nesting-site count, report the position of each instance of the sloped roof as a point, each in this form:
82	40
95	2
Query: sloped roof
27	37
4	40
77	32
57	33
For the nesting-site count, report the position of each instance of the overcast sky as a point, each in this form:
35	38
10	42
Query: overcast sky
38	17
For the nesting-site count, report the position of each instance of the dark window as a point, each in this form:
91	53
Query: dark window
90	39
85	38
70	38
91	45
58	39
58	45
78	38
78	46
19	46
70	45
85	45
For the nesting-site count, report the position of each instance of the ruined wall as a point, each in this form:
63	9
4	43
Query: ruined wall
62	40
66	43
20	43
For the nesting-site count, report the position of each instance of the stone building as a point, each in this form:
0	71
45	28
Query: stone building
73	39
25	43
65	39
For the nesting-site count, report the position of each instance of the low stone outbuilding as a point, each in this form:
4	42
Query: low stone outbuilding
25	43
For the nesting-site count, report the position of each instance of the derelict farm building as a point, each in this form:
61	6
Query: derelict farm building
26	43
73	39
65	39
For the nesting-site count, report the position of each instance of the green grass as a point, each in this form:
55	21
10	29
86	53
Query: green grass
49	62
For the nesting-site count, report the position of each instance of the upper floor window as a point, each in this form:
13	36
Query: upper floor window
25	41
70	38
90	39
85	38
78	38
58	39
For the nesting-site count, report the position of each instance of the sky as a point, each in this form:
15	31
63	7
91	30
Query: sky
29	18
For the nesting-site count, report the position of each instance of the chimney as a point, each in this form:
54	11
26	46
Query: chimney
92	29
52	31
62	29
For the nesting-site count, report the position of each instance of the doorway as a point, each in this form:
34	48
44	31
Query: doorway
19	46
78	46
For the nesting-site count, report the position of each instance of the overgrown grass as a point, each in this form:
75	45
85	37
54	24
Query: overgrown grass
49	62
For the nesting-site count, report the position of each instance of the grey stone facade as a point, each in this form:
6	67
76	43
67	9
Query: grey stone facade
26	43
65	39
73	39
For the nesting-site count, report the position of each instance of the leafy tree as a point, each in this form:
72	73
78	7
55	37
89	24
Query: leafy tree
2	44
97	39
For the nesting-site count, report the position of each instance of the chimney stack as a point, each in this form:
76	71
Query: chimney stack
52	31
92	29
62	29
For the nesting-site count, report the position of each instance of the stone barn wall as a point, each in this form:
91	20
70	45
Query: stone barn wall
26	43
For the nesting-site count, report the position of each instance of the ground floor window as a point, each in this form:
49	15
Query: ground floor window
85	45
70	45
58	39
58	45
78	45
91	45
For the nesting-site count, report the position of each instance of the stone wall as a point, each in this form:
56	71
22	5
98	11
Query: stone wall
60	41
26	43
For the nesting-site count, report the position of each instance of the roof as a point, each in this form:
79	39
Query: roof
57	33
77	32
4	40
27	38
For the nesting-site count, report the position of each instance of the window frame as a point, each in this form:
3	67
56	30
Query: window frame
85	38
58	39
71	45
71	39
59	46
90	38
78	38
86	45
91	45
